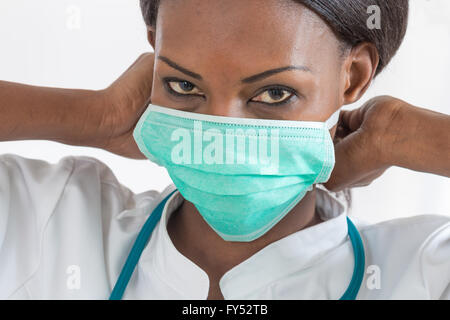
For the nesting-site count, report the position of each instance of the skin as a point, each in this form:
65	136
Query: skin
102	119
388	132
323	80
197	35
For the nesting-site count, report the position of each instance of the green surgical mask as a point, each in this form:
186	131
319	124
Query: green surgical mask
243	175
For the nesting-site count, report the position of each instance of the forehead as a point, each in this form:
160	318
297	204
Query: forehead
236	32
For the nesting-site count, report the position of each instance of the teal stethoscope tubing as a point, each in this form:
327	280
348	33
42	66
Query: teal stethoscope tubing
155	216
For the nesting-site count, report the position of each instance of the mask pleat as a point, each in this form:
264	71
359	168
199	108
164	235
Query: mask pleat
242	177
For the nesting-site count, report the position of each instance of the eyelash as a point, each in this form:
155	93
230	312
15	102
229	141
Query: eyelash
262	90
174	93
272	87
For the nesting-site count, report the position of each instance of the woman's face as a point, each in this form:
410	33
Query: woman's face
243	59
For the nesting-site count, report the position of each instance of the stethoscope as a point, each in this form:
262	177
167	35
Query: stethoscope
155	216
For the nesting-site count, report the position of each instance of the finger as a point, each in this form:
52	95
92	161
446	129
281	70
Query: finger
350	162
135	84
341	132
140	73
353	119
143	58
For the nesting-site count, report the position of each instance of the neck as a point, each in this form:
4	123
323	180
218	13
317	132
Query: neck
195	239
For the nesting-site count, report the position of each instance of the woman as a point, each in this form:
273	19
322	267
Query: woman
67	229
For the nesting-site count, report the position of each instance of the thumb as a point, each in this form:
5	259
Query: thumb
352	120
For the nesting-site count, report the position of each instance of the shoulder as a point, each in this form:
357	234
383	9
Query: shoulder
63	208
42	174
410	232
76	183
414	249
34	191
16	166
419	226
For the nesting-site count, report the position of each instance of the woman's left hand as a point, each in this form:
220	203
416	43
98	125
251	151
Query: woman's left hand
121	106
387	132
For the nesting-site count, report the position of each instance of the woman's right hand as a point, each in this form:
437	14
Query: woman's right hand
121	106
102	119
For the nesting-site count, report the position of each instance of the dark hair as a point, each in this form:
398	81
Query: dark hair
347	19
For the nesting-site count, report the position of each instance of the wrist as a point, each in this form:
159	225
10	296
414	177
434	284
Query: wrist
80	121
420	142
107	118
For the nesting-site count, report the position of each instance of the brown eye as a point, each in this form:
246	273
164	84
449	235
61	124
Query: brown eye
183	87
274	96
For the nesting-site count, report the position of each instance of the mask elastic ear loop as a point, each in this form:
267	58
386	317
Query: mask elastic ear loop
333	120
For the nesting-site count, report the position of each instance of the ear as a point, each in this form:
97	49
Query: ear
151	36
360	66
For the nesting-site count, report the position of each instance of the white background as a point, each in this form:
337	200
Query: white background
89	43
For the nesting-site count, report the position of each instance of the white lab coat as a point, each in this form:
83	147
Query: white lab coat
66	230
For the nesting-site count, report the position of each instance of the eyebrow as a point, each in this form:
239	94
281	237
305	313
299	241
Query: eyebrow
180	68
271	72
251	79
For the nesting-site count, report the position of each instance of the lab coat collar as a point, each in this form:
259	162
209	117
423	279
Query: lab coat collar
293	253
177	271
